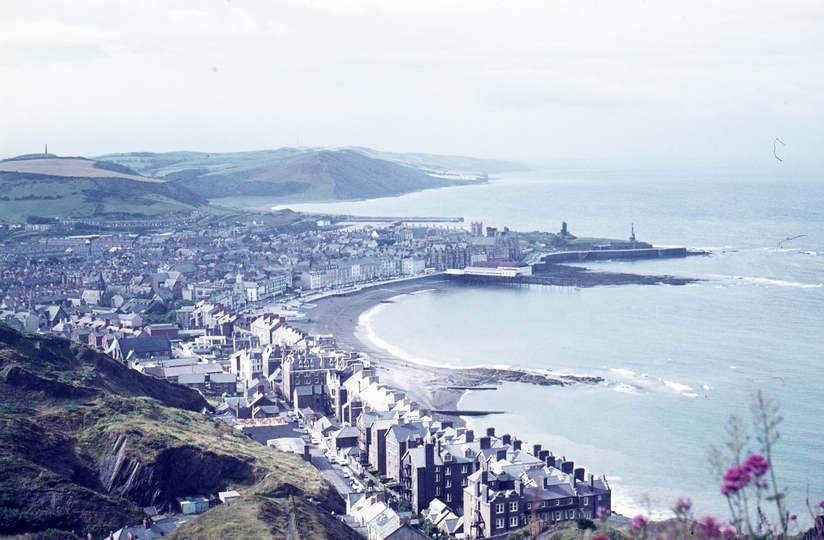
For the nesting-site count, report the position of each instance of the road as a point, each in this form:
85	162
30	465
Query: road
332	472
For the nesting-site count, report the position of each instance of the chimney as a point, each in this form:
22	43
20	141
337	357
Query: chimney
543	455
516	444
260	389
536	450
591	481
506	438
484	443
567	467
579	474
490	432
501	454
307	456
550	461
470	435
429	450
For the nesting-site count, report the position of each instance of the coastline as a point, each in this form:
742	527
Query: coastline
432	387
339	316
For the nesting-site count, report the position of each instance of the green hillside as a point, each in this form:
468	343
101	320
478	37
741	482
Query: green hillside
309	174
85	442
67	197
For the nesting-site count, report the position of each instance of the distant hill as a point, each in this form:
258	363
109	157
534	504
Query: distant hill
310	173
86	442
47	186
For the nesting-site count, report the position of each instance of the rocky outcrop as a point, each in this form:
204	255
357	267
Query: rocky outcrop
175	472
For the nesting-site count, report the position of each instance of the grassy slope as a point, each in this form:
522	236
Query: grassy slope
23	194
61	406
300	175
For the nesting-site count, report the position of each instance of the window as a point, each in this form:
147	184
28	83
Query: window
571	514
557	516
437	469
557	502
464	483
499	508
513	507
499	523
437	477
586	501
513	522
569	502
437	491
527	505
448	484
448	497
543	504
447	471
600	497
588	515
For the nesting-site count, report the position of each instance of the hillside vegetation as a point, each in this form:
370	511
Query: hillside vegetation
80	188
310	174
85	442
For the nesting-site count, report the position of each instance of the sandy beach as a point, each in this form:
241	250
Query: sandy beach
338	315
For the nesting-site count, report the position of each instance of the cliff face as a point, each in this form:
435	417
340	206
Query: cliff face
175	472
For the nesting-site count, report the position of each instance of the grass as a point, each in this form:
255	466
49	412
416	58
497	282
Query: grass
237	520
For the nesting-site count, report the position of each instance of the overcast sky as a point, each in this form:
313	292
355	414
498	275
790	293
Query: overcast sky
645	81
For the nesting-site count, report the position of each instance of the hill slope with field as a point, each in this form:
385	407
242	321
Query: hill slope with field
47	186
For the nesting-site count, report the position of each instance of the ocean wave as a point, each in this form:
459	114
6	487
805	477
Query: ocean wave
365	320
768	281
622	371
689	394
677	386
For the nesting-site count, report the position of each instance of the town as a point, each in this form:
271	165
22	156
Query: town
219	309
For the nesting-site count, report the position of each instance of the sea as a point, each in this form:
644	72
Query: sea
676	361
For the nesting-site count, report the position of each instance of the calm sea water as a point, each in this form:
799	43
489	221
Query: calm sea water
677	360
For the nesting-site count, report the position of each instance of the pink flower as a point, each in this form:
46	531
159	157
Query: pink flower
600	537
638	523
757	465
793	517
821	504
710	526
602	512
728	531
683	505
736	478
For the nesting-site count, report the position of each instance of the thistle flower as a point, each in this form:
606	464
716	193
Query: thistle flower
600	537
757	465
793	517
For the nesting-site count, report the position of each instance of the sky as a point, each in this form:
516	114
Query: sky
698	82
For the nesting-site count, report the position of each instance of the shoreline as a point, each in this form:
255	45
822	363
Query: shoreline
339	316
432	387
